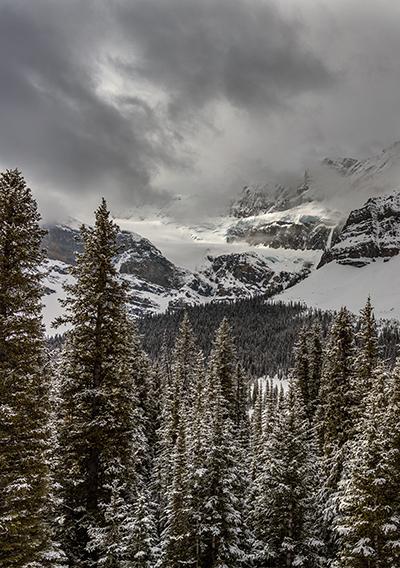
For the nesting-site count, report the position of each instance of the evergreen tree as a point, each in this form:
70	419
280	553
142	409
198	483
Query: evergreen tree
241	382
178	397
257	431
367	519
336	399
199	442
223	537
284	514
143	534
315	358
24	383
224	534
222	367
366	362
177	539
335	421
101	432
392	467
185	350
301	369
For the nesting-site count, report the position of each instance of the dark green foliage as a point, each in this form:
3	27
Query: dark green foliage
177	534
368	519
336	396
283	515
366	361
24	382
264	332
102	408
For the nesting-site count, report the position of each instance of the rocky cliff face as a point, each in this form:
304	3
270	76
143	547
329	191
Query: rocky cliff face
370	232
137	255
281	216
305	232
260	199
156	284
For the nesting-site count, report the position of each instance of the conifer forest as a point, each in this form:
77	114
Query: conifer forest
212	437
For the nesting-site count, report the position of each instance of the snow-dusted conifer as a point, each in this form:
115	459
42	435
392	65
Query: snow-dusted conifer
315	357
143	534
366	522
100	433
177	399
223	364
24	383
336	399
224	535
301	368
366	361
334	421
283	515
177	536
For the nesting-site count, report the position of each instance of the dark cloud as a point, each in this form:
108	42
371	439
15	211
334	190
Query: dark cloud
54	122
199	51
59	125
140	99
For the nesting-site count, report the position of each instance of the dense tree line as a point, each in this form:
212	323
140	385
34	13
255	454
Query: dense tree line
109	459
264	331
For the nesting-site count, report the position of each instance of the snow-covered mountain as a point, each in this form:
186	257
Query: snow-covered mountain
363	261
156	283
309	213
374	175
275	237
282	216
371	232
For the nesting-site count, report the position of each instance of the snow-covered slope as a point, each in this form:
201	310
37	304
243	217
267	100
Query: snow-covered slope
273	237
156	283
364	260
336	285
282	216
372	176
307	213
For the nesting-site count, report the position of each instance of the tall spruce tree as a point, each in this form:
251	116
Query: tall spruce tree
224	534
199	424
367	510
283	514
366	361
101	433
177	536
392	467
222	367
24	383
301	369
335	420
178	396
335	410
143	534
315	359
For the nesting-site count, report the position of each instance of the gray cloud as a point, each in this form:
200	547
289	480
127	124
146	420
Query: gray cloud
140	99
59	126
54	123
244	52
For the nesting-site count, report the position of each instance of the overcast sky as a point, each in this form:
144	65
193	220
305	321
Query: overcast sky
140	100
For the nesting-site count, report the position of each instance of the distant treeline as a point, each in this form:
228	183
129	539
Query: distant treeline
265	332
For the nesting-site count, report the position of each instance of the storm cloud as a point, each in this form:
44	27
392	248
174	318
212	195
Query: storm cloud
139	100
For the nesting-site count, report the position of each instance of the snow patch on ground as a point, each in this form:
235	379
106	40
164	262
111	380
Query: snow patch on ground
336	285
56	274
